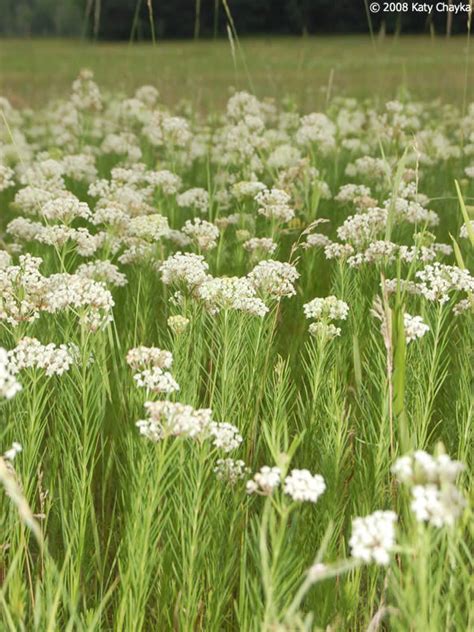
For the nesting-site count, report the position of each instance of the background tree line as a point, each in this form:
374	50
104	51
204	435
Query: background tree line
125	19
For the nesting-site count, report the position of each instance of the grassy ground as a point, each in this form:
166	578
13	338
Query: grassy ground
32	71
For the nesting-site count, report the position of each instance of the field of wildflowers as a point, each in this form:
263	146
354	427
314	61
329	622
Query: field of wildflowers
235	369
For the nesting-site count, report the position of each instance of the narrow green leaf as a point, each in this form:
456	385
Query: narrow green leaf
467	222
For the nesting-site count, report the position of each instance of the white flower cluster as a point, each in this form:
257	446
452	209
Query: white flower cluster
464	232
6	177
414	327
178	324
352	192
122	144
265	481
334	250
268	280
260	247
21	289
319	129
379	251
375	169
225	436
9	386
80	167
196	199
11	453
274	279
432	482
203	234
151	227
411	211
167	418
323	311
373	537
31	354
174	419
90	299
363	228
465	305
247	189
300	485
65	209
155	380
150	364
103	271
141	357
56	235
230	470
328	308
273	204
236	293
85	92
437	281
165	181
284	157
187	269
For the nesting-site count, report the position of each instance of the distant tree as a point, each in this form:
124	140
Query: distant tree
118	19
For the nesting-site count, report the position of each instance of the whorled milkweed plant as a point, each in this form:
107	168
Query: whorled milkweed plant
235	365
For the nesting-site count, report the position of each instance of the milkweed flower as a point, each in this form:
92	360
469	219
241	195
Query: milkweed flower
235	293
262	246
363	228
10	454
414	327
178	324
230	470
188	269
91	299
156	380
265	481
323	311
438	506
65	209
167	418
142	357
174	419
328	308
196	198
435	282
203	233
432	482
225	436
274	279
274	205
103	271
86	93
165	181
351	192
150	364
301	485
31	354
247	189
373	537
151	227
464	232
6	177
9	386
